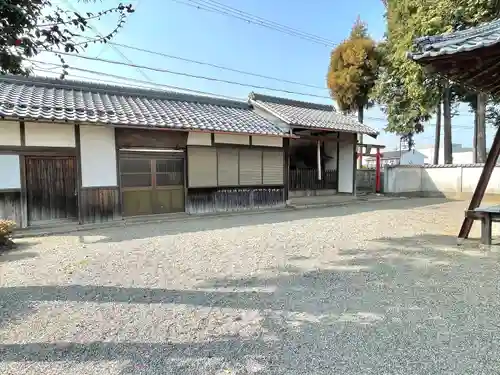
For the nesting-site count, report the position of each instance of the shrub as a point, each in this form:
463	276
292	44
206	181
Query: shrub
6	229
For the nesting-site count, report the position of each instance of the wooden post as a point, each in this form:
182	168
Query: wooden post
286	167
318	157
482	184
377	171
486	229
78	191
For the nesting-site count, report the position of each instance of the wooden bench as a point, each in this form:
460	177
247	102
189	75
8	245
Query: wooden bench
487	215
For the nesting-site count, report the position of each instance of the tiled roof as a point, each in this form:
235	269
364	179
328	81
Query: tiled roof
484	35
309	115
64	100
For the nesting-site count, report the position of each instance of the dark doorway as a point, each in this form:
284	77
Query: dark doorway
51	189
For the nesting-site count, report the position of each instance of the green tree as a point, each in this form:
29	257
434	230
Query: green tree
353	71
30	27
417	92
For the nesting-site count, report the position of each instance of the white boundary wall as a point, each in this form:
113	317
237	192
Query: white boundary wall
438	180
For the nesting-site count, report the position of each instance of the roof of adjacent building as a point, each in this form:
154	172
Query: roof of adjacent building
484	35
309	115
43	98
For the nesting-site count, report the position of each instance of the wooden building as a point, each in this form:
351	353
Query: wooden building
84	153
323	149
469	57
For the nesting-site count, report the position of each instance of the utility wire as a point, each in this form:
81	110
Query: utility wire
99	73
144	84
127	46
93	27
190	75
238	11
247	17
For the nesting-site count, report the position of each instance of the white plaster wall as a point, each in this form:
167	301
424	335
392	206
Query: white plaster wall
442	180
11	172
331	151
98	153
470	178
346	168
49	134
235	139
449	180
261	140
10	133
199	139
403	180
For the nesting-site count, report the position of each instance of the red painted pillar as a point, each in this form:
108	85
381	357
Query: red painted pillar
377	171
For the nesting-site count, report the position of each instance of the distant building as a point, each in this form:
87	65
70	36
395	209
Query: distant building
398	157
460	154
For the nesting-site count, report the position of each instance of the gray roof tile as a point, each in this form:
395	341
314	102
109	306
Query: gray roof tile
53	99
309	115
484	35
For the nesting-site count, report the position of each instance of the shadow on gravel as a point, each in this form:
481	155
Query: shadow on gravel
416	305
19	252
279	216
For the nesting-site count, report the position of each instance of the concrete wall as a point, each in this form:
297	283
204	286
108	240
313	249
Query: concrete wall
453	181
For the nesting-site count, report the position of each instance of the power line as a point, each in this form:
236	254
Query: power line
213	6
191	75
191	90
215	65
95	72
114	47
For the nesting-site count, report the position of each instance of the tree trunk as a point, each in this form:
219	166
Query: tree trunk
437	137
448	149
360	120
481	128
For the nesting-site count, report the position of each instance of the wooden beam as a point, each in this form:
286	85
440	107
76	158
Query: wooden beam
79	174
482	184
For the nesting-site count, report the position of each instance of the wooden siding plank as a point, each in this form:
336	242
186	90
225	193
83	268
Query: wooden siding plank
202	170
100	204
51	187
272	167
10	206
227	166
250	167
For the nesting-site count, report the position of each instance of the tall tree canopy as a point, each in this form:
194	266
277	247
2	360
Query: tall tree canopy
353	70
405	92
29	27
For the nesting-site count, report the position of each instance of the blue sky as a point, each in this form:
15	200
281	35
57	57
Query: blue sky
177	29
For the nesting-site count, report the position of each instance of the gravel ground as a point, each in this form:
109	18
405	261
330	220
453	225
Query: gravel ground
378	288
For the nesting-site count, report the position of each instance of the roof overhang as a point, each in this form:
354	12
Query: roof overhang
139	126
468	57
294	125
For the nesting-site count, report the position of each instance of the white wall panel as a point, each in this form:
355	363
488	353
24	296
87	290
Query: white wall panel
10	133
261	140
50	134
98	153
235	139
199	139
10	172
346	167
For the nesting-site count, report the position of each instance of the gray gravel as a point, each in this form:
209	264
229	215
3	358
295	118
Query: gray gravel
367	289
